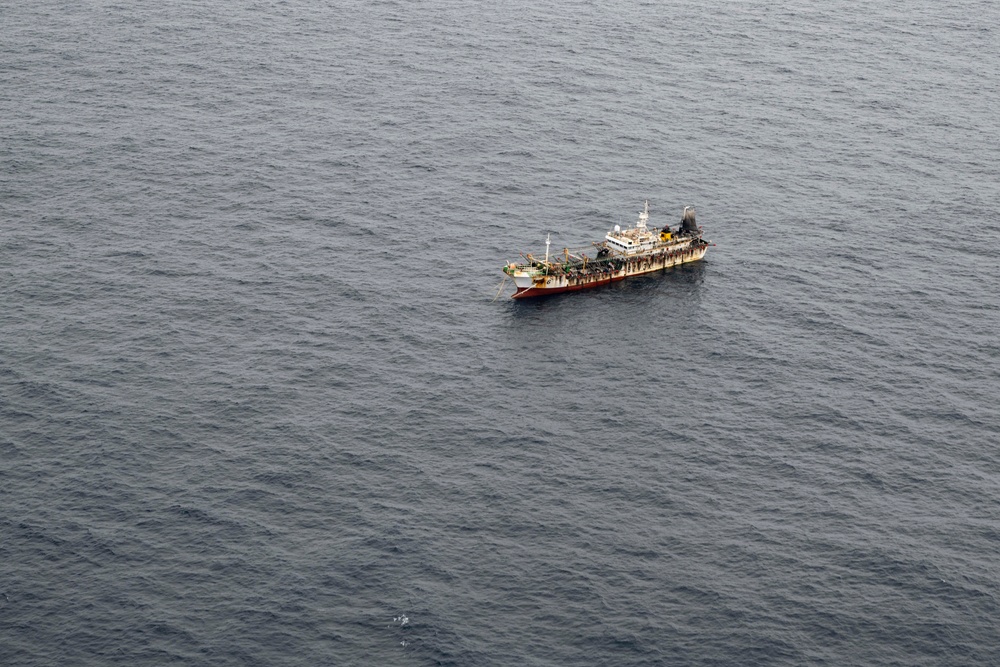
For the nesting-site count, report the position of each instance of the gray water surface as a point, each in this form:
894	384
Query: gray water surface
258	408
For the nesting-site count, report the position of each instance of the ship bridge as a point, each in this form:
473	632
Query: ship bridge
635	240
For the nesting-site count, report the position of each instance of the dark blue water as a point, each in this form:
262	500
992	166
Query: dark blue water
258	408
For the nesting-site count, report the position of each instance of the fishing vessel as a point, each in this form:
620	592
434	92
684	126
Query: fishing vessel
623	253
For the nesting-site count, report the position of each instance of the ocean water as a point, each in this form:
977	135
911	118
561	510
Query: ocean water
259	407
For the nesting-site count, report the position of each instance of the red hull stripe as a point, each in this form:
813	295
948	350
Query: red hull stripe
542	291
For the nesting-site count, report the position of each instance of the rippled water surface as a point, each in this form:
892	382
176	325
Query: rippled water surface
257	406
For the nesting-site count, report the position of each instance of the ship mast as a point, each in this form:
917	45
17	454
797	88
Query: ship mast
548	240
643	217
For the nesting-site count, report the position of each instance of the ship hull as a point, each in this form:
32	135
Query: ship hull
633	266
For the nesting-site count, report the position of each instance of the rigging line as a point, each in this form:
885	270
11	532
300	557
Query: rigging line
502	283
